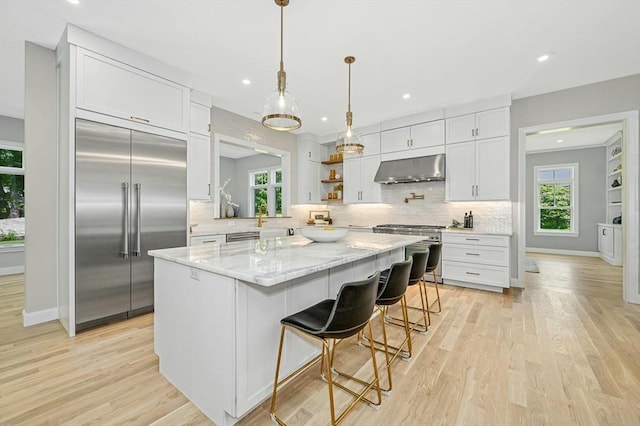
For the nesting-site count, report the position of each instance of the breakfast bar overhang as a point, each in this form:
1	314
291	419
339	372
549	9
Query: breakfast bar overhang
218	309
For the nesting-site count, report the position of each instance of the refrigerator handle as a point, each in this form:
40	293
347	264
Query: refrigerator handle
136	251
125	219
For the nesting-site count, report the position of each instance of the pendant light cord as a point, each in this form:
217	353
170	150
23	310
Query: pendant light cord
349	86
281	37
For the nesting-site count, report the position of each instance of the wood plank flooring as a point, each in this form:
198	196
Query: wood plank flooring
565	351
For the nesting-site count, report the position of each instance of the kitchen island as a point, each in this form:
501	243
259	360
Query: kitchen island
218	309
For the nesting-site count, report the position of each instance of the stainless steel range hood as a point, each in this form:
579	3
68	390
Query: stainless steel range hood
421	169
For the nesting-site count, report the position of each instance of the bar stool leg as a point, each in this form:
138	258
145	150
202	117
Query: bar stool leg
275	381
435	283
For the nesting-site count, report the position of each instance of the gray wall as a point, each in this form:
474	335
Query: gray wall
40	130
238	170
606	97
591	198
11	129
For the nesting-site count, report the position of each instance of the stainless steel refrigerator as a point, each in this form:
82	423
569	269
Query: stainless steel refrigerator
131	197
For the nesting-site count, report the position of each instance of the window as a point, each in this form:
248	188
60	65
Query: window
556	199
265	189
11	192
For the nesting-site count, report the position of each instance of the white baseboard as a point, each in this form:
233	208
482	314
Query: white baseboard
565	252
10	270
38	317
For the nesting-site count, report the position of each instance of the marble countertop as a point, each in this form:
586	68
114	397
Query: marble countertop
483	231
272	261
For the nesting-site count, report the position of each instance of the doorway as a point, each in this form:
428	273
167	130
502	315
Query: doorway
630	157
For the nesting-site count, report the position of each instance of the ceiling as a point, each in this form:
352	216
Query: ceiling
564	138
444	53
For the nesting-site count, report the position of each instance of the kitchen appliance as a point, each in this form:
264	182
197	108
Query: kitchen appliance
408	170
432	235
130	197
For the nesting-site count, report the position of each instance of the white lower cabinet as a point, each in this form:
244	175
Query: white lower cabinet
476	260
359	186
610	243
207	239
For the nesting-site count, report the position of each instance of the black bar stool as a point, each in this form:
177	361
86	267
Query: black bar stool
432	264
392	289
415	277
328	321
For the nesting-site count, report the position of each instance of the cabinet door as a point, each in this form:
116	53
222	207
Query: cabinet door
351	190
605	240
395	140
199	167
427	134
460	129
369	190
200	119
371	144
460	174
113	88
309	183
492	123
492	169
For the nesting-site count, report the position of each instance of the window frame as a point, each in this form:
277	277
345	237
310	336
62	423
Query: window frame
270	186
13	146
573	208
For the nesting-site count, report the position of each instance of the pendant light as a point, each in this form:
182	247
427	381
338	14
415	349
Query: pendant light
281	110
348	141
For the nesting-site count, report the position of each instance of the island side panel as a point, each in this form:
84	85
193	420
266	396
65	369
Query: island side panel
260	310
194	335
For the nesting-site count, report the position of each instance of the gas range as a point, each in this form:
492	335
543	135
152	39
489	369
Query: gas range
431	233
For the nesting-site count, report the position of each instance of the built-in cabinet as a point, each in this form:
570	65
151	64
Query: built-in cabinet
480	125
310	156
477	155
476	260
610	243
412	138
110	87
199	150
332	181
359	186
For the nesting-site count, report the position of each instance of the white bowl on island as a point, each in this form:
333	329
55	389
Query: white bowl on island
325	234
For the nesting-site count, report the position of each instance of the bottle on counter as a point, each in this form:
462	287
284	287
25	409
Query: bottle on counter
466	220
470	219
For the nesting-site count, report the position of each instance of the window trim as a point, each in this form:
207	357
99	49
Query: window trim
575	227
13	146
270	187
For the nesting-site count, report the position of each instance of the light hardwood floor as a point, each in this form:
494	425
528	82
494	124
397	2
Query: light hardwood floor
564	351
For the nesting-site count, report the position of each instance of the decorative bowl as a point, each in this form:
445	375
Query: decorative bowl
324	234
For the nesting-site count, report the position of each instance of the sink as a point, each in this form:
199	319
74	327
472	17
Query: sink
273	232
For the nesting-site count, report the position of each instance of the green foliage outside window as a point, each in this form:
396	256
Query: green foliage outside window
11	185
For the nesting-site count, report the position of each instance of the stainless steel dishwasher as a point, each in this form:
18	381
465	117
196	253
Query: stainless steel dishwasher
243	236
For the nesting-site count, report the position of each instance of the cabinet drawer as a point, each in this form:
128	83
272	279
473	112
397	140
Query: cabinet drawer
476	239
113	88
207	239
480	274
487	255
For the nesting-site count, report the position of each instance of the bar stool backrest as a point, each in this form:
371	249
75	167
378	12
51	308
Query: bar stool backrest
419	266
352	308
434	257
396	283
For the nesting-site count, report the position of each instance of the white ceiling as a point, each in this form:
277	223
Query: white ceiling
443	53
564	138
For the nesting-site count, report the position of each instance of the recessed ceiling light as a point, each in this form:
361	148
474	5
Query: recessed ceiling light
406	96
543	58
559	140
74	1
246	82
324	119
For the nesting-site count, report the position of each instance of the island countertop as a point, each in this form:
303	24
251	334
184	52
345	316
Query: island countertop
271	261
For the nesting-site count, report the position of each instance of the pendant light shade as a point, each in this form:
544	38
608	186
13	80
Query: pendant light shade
348	141
281	110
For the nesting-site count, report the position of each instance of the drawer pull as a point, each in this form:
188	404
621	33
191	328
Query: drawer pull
472	239
139	119
472	273
472	254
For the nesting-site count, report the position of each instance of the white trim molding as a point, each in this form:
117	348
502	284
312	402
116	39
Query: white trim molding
563	252
38	317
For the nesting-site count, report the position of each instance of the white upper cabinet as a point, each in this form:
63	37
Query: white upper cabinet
481	125
199	166
359	186
478	170
371	144
416	137
310	172
200	119
113	88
